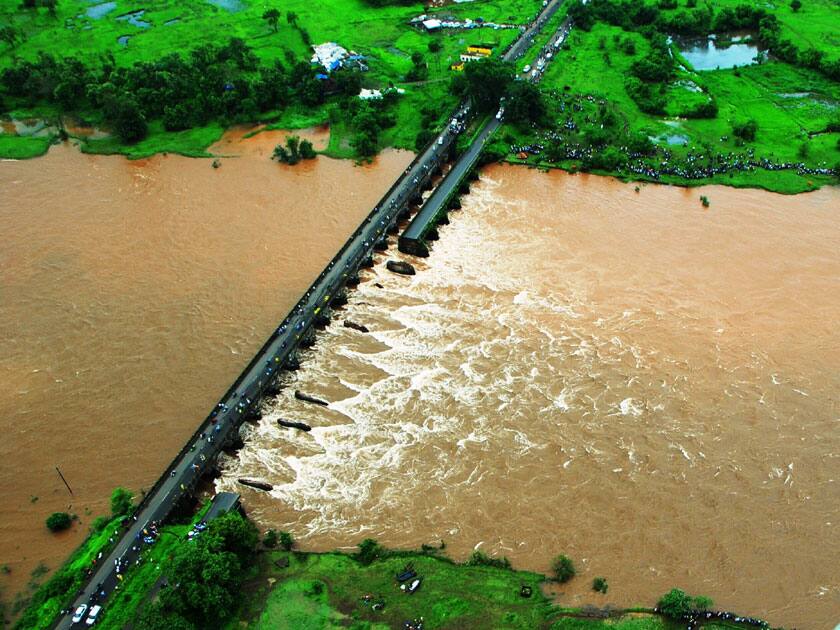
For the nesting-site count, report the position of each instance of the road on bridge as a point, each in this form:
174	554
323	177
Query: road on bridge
201	451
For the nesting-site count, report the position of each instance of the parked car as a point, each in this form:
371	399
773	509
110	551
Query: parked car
93	614
80	613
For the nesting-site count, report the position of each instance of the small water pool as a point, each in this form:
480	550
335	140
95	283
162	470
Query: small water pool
707	54
122	40
133	18
228	5
100	10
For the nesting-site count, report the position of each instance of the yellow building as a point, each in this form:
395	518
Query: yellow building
457	67
482	50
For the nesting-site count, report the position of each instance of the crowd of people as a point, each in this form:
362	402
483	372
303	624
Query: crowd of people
694	166
696	617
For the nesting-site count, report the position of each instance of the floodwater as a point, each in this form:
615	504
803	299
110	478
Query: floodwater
646	385
132	293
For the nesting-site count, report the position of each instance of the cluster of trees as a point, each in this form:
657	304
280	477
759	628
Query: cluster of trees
212	82
701	21
419	68
487	81
46	4
368	119
204	577
294	151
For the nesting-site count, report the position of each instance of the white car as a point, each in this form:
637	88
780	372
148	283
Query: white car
92	616
500	114
527	69
80	613
440	140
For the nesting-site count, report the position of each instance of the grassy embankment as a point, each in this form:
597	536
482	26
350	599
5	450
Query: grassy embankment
122	607
792	106
43	605
327	591
382	34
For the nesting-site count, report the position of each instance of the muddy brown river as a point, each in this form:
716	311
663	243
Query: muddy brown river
132	293
646	385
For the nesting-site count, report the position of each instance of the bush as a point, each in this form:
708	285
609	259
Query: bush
286	541
270	539
745	130
59	521
600	584
99	523
563	568
369	550
479	558
677	604
121	502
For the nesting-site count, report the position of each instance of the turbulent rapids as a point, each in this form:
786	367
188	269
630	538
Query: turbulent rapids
628	378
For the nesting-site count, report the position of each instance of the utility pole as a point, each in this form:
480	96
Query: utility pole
69	489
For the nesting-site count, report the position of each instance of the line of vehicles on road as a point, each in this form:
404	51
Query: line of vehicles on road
92	615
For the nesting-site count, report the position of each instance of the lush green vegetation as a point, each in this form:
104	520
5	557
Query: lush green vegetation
41	607
185	74
622	99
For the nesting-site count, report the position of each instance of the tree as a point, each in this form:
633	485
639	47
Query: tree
8	35
677	604
435	46
236	534
485	81
128	119
270	539
271	16
524	103
286	541
121	502
369	550
563	568
600	585
58	521
796	5
291	18
745	130
307	151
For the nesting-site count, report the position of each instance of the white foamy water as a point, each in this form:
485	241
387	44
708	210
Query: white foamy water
581	369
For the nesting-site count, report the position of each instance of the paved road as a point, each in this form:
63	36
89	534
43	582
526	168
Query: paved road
411	240
223	423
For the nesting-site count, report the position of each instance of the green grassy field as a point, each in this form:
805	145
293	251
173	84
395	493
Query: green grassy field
329	590
382	34
793	106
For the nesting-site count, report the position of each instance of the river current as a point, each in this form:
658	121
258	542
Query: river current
628	378
132	293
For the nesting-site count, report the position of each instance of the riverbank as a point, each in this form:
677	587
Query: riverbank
117	317
660	95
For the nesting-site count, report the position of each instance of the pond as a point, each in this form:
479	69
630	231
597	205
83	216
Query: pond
709	54
122	40
100	10
228	5
133	18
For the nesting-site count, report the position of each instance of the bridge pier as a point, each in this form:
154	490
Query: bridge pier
307	339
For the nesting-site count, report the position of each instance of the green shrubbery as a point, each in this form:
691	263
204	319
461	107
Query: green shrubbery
563	568
677	604
479	558
59	521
